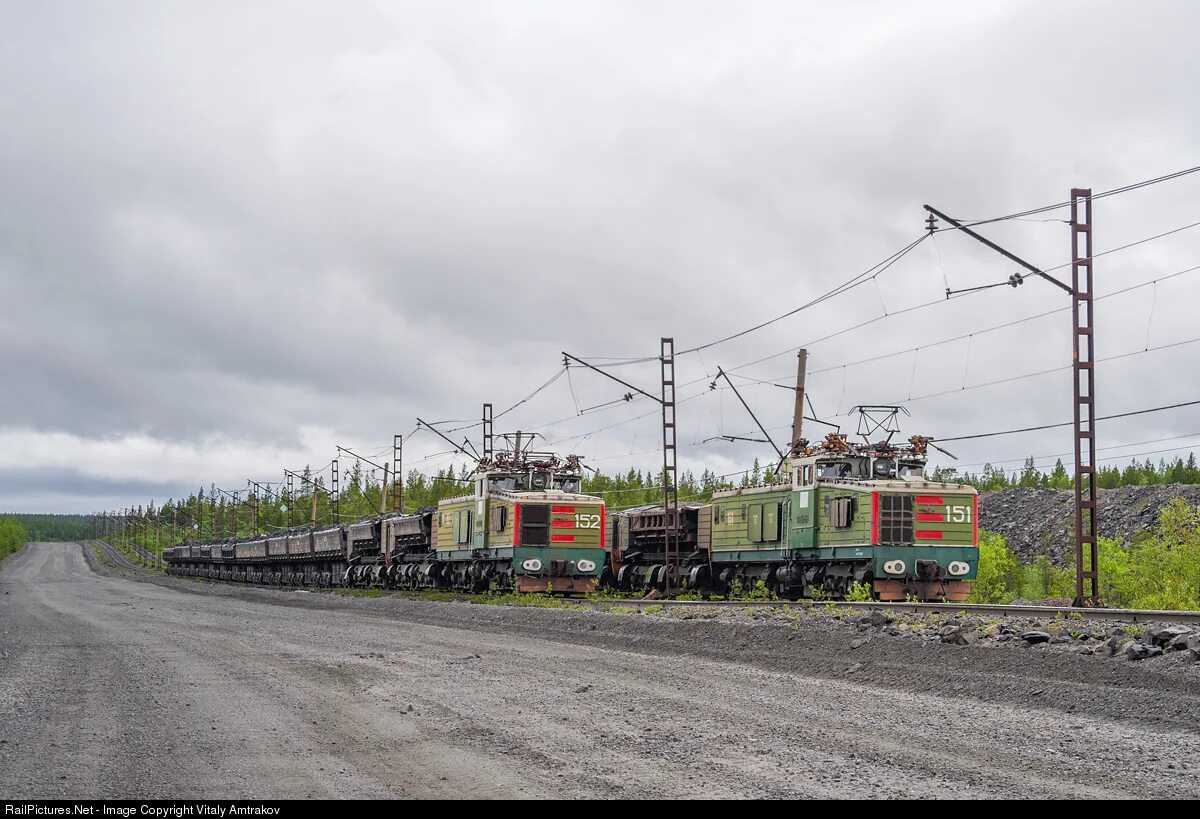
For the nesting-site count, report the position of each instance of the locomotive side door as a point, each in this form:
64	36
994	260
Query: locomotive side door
802	505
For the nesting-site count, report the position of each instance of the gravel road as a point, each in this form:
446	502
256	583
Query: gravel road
125	687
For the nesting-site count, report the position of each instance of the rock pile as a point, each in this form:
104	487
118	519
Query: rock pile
1041	521
1090	637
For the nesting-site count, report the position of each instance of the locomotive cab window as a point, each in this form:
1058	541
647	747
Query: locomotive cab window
535	524
836	471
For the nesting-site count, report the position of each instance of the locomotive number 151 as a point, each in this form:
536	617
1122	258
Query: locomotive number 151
958	514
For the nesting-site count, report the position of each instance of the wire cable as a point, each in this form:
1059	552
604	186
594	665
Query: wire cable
845	287
971	290
861	278
1098	449
1103	194
1065	423
860	325
559	374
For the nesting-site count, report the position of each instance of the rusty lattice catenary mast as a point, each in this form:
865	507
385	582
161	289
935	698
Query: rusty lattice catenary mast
1083	343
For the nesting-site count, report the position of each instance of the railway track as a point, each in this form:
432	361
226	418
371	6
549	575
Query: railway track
149	557
114	554
1125	615
1048	612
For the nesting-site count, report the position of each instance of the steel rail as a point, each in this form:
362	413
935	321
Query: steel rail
146	555
117	556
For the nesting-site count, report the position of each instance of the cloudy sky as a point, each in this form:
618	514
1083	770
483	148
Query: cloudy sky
233	235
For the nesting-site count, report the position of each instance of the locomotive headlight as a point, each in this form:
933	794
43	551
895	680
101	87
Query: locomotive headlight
894	567
958	568
586	566
531	565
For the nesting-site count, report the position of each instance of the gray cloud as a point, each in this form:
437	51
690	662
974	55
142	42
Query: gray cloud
257	232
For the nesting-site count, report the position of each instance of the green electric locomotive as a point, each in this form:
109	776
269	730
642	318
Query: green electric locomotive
526	526
841	515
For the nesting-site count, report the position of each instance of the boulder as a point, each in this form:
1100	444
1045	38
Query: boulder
1160	635
1141	651
1180	643
1033	637
1137	651
876	619
1113	645
957	635
1193	647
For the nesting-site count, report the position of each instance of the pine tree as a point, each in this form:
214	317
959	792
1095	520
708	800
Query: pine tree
1029	475
1059	479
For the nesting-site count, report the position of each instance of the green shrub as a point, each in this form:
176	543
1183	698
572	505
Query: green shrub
1157	572
1160	569
13	536
998	575
859	593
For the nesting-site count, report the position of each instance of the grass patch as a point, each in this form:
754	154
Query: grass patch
535	601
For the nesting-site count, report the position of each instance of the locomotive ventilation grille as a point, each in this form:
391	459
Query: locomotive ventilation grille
896	519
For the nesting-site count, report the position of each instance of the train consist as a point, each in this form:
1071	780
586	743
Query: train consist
525	528
840	515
